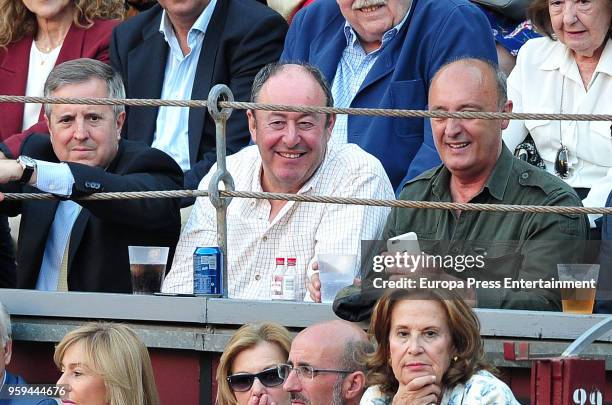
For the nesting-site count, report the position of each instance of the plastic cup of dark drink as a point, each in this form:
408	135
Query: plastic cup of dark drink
148	267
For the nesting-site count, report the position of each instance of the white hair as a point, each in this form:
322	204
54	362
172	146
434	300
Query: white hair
5	325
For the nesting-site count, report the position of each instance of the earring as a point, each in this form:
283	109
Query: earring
455	358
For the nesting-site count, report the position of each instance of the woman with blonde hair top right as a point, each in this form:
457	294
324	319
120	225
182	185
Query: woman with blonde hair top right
105	364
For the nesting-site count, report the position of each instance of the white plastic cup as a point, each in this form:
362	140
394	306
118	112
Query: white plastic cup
148	268
335	273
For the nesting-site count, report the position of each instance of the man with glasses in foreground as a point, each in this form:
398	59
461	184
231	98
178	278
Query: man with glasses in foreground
325	366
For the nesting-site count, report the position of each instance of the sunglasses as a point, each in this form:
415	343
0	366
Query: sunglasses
270	377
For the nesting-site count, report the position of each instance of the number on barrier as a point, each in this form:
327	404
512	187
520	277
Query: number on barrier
595	397
580	396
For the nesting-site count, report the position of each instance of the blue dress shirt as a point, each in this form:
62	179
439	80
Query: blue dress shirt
171	131
354	66
56	178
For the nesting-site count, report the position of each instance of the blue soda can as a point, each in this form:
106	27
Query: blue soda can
208	271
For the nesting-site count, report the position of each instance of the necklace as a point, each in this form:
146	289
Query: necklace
47	50
562	159
45	53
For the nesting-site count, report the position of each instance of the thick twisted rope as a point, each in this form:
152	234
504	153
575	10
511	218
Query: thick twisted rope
376	112
323	199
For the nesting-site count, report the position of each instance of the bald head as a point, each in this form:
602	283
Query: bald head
491	78
333	336
335	347
469	148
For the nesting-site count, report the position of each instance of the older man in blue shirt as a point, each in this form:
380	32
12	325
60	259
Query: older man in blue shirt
383	54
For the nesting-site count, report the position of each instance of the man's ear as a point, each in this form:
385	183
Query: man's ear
331	121
8	352
252	125
47	122
353	386
119	123
507	108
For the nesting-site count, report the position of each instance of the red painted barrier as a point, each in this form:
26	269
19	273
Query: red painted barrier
568	381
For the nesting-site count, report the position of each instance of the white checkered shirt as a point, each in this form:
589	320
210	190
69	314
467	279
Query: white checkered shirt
354	66
299	230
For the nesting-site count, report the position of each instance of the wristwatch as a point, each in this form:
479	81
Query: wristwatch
29	165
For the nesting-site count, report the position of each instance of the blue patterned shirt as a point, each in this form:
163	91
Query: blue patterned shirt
354	66
483	388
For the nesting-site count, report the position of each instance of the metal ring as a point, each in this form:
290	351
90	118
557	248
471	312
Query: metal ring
220	92
213	188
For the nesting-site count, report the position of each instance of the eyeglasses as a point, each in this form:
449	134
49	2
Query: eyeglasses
306	372
270	377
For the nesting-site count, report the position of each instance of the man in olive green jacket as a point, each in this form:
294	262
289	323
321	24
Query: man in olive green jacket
514	253
478	168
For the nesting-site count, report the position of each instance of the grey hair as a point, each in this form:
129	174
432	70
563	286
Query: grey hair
502	86
353	358
83	70
500	76
354	355
274	68
6	331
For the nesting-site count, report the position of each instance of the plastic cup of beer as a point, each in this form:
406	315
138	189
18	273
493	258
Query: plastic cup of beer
578	299
335	273
148	267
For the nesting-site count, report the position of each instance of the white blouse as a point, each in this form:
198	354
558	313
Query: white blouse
39	68
545	70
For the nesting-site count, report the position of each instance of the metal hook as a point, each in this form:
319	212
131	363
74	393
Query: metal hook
213	188
218	92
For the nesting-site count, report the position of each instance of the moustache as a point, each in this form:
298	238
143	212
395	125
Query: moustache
359	4
299	397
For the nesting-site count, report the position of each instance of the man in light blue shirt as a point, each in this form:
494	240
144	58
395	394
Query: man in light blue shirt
170	128
180	50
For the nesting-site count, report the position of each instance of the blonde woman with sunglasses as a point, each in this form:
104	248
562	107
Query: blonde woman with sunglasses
248	373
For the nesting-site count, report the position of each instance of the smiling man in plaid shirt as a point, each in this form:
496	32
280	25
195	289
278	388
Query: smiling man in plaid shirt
291	155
